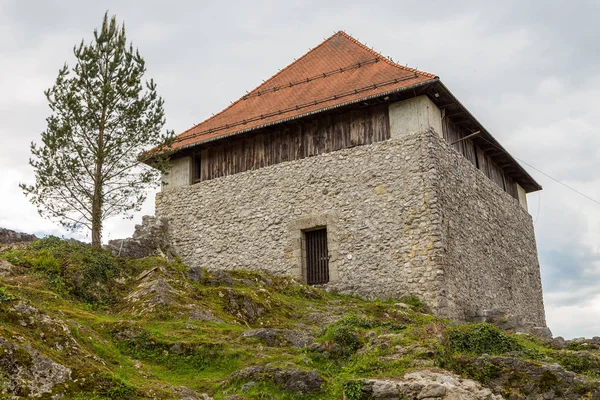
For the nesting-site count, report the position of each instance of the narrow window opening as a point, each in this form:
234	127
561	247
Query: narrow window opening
316	256
196	168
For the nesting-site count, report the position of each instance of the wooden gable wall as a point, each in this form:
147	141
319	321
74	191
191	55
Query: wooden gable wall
292	141
478	157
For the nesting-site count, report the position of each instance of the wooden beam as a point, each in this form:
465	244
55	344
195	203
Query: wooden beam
466	121
455	113
443	105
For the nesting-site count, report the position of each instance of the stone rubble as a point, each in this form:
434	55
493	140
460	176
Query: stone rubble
149	239
8	236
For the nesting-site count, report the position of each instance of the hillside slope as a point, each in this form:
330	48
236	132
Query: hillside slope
81	324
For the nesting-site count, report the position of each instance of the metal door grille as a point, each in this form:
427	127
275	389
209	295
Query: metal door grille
317	257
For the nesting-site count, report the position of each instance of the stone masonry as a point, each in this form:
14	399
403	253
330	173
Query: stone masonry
490	255
405	216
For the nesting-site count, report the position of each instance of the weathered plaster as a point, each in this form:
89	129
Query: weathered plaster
522	194
416	115
180	173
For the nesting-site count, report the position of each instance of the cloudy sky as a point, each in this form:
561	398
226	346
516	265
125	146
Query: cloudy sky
529	72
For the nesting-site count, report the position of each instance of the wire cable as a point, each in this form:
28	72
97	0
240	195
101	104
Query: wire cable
537	213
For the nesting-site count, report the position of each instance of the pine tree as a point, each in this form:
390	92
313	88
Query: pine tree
90	164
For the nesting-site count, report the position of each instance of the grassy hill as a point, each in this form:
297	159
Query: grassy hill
82	324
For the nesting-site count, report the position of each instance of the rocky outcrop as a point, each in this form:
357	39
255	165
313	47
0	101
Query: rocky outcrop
242	306
420	385
293	380
28	373
522	379
149	239
559	343
7	237
154	289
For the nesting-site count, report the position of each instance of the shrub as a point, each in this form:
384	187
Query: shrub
479	339
347	337
581	363
46	263
353	390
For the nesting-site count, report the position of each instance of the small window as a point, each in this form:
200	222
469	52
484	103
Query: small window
196	177
316	256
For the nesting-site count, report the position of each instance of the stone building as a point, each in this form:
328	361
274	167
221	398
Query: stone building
350	171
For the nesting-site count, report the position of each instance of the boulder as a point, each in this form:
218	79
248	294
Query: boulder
293	380
280	337
426	384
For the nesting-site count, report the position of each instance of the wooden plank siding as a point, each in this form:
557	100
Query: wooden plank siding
322	134
478	157
292	141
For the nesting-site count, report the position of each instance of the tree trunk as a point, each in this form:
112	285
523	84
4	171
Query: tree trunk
97	209
96	235
97	199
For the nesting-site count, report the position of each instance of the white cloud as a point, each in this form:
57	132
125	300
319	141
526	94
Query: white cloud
581	320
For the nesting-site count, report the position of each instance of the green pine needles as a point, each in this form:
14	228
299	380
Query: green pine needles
90	165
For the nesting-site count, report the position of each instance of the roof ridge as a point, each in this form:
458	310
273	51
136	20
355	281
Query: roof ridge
338	33
387	60
297	107
263	83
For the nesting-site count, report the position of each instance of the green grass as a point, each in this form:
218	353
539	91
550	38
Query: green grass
125	353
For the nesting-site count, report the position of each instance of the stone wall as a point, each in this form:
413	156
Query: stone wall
7	236
404	216
490	259
382	231
150	238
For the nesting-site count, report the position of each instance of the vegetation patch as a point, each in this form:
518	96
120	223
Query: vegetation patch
346	335
353	390
193	337
580	362
5	296
76	271
478	339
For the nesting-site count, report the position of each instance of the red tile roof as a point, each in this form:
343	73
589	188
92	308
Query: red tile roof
338	71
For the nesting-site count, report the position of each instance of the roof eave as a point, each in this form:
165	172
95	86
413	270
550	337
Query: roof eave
321	110
532	185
